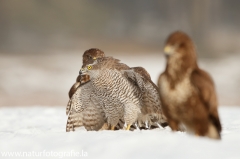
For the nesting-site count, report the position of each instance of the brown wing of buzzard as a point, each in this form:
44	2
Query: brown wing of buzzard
204	83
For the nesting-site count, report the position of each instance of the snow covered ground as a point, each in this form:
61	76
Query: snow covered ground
40	131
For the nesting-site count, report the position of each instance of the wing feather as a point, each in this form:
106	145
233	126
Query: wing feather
151	104
203	82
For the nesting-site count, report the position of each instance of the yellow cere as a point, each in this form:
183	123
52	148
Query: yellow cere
167	49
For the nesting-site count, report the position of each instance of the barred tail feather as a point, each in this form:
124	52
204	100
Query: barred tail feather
68	106
74	121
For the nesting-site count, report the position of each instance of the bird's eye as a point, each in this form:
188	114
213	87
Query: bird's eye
89	57
89	67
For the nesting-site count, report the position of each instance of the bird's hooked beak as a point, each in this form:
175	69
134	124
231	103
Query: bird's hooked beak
168	50
82	71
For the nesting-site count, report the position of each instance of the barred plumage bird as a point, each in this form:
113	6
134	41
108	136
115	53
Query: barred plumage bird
75	117
137	76
124	92
115	93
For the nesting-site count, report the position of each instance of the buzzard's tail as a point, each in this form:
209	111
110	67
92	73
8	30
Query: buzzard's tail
214	128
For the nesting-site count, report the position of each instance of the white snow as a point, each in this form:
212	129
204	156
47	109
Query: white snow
42	129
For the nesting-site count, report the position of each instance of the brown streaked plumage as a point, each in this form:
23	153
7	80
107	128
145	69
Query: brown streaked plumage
187	93
115	94
85	110
92	54
150	93
154	121
145	91
81	79
88	57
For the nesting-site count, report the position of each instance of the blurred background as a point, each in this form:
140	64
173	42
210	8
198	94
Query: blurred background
42	42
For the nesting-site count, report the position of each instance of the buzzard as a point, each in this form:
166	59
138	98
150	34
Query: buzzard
187	92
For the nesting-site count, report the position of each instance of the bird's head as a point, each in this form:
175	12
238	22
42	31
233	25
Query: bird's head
87	69
91	55
178	43
91	69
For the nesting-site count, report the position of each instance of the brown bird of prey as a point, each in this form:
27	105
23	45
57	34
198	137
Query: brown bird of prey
75	119
123	93
187	92
88	57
